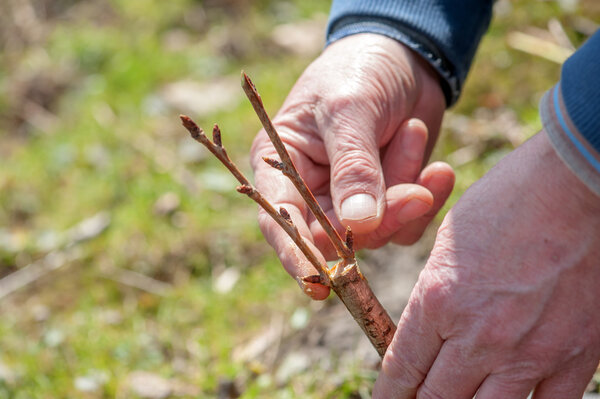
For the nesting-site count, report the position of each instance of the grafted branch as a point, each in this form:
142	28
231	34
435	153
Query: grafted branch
290	170
345	278
282	217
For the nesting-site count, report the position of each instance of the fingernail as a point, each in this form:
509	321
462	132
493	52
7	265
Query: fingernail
317	292
359	207
413	209
413	143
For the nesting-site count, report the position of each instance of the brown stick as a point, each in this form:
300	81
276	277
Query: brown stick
345	278
353	289
282	217
290	170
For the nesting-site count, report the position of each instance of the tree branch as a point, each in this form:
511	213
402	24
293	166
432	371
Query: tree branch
282	217
290	170
345	278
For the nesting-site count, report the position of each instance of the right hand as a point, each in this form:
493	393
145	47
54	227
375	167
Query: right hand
359	125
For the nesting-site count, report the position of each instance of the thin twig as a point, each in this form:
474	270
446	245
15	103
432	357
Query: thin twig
137	280
38	269
282	217
288	169
65	252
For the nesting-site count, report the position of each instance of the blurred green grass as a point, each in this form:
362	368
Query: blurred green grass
86	129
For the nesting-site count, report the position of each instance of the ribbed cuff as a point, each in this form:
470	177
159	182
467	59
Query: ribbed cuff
572	147
445	33
580	89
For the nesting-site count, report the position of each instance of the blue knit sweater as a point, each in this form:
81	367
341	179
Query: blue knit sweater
447	32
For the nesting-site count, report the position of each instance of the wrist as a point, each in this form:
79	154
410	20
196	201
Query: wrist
577	196
575	149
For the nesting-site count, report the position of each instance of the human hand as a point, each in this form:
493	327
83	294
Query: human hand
359	125
509	298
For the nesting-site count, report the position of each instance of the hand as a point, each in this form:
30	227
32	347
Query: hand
359	125
509	298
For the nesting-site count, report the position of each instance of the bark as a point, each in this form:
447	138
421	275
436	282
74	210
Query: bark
345	279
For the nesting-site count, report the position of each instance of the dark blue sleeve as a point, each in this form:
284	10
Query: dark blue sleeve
571	113
445	32
580	85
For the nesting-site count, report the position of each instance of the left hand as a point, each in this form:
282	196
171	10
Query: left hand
509	300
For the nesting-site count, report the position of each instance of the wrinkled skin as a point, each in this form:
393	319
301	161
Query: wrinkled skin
360	122
508	300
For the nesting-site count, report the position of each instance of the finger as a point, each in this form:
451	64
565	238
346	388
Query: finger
357	184
404	154
404	203
454	374
278	190
438	178
410	354
320	238
271	182
566	385
292	259
501	386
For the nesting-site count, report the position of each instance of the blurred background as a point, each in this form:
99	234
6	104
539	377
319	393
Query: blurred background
129	265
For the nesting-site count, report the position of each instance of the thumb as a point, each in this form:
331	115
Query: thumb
357	183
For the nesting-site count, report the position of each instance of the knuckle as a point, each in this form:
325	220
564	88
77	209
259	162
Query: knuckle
519	374
492	337
435	292
403	373
353	165
426	391
350	109
337	102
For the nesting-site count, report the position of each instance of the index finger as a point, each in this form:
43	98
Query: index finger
413	350
280	192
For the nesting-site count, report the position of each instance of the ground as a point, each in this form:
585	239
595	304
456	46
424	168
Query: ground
129	266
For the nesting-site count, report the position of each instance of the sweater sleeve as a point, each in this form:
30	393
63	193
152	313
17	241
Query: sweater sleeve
446	33
570	113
